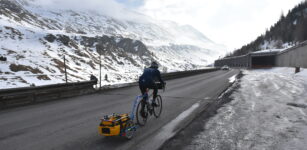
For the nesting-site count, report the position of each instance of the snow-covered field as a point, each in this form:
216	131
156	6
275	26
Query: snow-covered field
268	111
34	38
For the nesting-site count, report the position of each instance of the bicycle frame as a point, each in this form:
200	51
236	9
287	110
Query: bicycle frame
137	100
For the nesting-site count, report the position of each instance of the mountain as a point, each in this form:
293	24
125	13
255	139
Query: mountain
288	31
34	39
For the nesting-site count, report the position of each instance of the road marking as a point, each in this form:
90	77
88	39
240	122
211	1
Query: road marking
168	130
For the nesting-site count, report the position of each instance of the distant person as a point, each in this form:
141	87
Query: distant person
148	79
93	78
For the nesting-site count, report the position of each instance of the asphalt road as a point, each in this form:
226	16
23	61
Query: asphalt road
72	123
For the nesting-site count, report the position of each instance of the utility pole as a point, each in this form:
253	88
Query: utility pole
100	69
65	69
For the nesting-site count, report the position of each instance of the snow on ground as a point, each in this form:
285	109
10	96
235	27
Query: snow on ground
268	51
232	79
272	44
268	111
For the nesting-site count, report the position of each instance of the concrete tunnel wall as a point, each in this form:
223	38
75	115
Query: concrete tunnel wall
239	61
293	57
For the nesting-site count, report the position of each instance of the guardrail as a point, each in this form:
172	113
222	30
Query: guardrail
173	75
30	95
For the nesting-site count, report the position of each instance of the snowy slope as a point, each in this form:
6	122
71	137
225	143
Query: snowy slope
35	37
268	111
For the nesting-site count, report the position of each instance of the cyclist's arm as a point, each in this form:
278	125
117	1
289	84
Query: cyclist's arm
159	77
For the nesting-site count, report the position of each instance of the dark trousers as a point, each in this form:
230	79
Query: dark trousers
151	86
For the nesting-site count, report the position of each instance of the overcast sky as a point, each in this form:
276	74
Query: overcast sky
232	23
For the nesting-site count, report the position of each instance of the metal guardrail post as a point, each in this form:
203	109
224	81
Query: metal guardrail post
100	71
34	97
65	69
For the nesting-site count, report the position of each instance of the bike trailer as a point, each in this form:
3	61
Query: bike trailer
114	125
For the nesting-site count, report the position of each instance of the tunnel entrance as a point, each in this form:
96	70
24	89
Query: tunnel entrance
263	61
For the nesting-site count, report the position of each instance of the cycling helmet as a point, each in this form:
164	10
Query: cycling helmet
154	65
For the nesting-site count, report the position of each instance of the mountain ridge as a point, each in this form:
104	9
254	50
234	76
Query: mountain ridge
33	37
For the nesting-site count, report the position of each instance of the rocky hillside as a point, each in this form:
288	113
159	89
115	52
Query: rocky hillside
34	39
288	31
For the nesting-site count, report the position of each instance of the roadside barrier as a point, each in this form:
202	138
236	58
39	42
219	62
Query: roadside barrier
31	95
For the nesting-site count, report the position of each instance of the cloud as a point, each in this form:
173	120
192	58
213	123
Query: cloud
80	4
229	22
109	8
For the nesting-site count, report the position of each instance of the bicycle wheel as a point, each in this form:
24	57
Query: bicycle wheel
130	130
158	109
141	113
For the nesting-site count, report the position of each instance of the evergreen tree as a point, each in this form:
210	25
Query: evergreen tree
291	28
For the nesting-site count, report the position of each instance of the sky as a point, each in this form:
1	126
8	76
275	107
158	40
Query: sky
232	23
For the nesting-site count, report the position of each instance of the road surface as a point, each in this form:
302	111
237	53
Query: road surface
72	123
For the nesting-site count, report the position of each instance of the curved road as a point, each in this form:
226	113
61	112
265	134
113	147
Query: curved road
72	123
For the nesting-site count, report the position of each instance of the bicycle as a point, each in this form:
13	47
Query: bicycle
144	108
123	125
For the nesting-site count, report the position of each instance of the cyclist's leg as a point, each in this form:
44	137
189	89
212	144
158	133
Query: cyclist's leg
155	93
143	90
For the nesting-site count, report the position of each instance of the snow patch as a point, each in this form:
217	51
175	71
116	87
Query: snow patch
268	51
232	79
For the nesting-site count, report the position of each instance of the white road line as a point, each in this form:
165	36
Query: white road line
168	130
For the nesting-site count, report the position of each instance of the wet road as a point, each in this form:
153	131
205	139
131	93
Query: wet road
72	123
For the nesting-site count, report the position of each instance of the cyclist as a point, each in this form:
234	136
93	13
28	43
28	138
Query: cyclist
148	78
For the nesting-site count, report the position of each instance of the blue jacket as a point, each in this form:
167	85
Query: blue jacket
149	76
